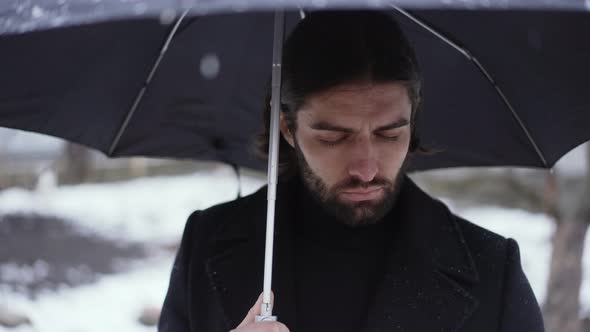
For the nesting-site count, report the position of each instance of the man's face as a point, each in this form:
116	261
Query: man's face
351	142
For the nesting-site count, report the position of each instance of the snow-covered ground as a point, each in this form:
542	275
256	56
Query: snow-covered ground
114	303
154	210
148	209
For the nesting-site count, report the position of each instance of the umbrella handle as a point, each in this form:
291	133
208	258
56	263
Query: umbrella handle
260	318
266	318
266	313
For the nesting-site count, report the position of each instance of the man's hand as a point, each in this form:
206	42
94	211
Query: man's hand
249	323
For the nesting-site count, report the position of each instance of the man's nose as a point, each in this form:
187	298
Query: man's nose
364	163
365	170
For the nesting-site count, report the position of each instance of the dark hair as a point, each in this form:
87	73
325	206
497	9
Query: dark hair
329	48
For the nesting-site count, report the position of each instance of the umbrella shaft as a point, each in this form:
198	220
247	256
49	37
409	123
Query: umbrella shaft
273	153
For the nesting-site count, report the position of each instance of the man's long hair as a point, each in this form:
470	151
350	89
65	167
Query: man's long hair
329	48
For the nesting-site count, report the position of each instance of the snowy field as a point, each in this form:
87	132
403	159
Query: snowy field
154	210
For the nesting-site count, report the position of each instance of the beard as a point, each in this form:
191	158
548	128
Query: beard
353	214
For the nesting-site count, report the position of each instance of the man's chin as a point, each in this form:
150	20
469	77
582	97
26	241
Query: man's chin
358	213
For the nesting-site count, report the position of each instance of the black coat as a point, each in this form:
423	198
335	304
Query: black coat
444	273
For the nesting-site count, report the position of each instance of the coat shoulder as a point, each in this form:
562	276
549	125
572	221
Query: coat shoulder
480	239
235	207
503	282
489	250
204	223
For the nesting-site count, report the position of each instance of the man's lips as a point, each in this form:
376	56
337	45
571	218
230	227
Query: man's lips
362	194
361	190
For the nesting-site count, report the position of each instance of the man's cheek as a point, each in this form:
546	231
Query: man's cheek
392	160
329	169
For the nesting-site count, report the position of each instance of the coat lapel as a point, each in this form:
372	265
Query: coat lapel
236	266
429	264
425	286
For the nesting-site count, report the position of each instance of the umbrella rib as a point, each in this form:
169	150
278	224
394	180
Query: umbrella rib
487	75
514	114
143	89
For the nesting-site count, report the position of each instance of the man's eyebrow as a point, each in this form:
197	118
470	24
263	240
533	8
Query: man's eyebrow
394	125
322	125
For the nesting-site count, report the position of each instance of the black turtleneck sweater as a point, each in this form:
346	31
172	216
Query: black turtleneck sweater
337	267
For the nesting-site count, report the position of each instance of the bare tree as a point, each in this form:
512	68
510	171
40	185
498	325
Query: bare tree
562	304
77	163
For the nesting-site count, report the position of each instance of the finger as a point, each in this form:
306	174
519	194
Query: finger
251	315
264	327
255	310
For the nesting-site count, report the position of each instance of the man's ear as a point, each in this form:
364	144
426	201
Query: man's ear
287	135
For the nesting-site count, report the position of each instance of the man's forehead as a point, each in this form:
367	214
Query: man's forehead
362	93
381	103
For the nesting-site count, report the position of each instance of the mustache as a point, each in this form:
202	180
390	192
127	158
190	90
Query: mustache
355	183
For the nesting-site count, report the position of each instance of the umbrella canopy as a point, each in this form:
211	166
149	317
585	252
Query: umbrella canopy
502	87
20	16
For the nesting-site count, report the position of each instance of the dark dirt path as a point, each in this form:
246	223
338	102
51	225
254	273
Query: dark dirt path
41	252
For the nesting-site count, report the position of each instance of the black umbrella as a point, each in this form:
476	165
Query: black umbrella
503	87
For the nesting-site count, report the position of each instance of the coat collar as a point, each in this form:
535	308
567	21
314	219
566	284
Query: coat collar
424	286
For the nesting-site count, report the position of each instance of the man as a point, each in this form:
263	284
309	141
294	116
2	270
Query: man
359	247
